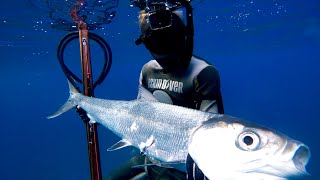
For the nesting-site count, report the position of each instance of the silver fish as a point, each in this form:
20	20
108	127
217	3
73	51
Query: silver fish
223	147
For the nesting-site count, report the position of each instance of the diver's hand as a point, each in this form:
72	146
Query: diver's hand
83	114
193	171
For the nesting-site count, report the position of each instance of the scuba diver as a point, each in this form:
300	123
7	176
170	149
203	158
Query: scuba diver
175	76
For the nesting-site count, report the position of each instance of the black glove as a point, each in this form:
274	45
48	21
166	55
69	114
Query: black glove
193	172
83	114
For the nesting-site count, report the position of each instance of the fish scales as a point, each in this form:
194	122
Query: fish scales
172	124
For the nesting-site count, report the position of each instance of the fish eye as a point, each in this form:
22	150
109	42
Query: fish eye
248	141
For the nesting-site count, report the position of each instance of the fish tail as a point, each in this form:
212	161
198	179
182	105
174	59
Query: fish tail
71	103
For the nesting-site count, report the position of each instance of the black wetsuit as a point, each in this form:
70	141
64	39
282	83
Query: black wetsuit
197	87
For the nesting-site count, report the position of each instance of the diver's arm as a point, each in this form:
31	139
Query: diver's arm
207	84
209	106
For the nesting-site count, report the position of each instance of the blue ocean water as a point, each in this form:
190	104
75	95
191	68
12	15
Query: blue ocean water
267	54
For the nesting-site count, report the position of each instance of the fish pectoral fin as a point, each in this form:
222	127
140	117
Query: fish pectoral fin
162	164
171	164
144	145
147	165
121	144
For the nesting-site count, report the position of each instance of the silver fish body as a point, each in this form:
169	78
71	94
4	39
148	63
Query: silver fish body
223	147
161	134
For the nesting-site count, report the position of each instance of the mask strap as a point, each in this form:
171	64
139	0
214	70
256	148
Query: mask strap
185	60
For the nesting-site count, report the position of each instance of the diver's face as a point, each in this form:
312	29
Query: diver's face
165	41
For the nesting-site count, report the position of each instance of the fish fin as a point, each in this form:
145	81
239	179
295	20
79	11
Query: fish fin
72	89
121	144
143	166
160	164
69	104
144	145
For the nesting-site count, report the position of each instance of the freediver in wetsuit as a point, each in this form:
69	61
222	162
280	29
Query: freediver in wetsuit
175	76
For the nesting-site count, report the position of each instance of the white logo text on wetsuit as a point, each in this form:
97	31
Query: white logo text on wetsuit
164	84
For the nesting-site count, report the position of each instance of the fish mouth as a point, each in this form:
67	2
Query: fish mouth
291	162
301	158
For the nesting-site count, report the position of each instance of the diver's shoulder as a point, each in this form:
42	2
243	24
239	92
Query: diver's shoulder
197	64
151	65
200	61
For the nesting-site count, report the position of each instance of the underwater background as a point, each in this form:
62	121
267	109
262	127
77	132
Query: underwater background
267	54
